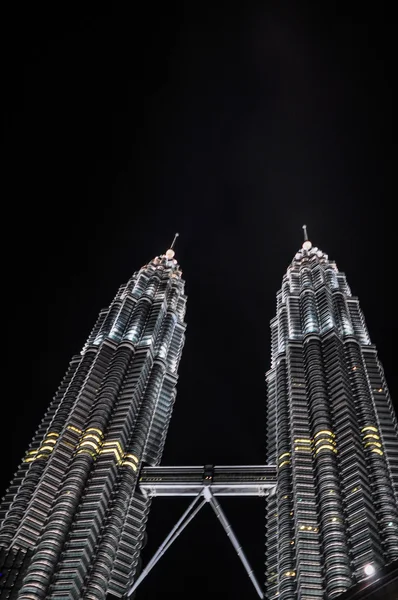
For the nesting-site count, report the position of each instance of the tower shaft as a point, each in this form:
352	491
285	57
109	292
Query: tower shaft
72	523
332	433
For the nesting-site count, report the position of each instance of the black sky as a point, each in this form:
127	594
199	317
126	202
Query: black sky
233	127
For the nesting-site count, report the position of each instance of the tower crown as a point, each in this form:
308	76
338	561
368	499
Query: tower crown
307	249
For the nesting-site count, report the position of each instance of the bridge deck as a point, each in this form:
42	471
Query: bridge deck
237	480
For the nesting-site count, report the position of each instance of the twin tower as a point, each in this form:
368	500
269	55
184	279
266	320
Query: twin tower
72	523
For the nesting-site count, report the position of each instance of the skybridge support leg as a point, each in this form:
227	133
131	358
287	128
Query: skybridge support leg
230	533
173	535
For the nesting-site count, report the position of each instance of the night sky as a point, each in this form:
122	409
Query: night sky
233	127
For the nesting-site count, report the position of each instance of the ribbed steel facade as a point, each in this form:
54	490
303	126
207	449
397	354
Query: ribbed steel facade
333	435
72	523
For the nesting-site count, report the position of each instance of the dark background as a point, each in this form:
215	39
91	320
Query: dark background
233	127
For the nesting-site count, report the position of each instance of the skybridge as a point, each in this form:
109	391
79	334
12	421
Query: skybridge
246	480
205	483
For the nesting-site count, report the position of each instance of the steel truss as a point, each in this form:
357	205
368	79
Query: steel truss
205	483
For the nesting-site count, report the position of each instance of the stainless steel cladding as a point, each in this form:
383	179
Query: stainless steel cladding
73	511
333	435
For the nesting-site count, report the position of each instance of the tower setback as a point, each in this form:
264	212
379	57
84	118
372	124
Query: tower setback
333	435
72	523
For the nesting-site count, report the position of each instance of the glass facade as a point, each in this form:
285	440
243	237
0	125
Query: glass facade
333	435
72	523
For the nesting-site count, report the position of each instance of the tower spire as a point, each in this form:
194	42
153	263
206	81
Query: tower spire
174	241
170	252
307	245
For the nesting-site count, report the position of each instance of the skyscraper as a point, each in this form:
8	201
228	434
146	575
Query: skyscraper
333	435
72	523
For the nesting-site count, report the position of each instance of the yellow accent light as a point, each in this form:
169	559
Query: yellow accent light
326	446
33	454
373	444
308	528
285	462
290	573
326	439
324	431
377	451
72	428
112	451
93	437
112	448
284	454
114	443
95	429
87	451
371	435
128	463
302	449
88	443
303	440
133	457
369	428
